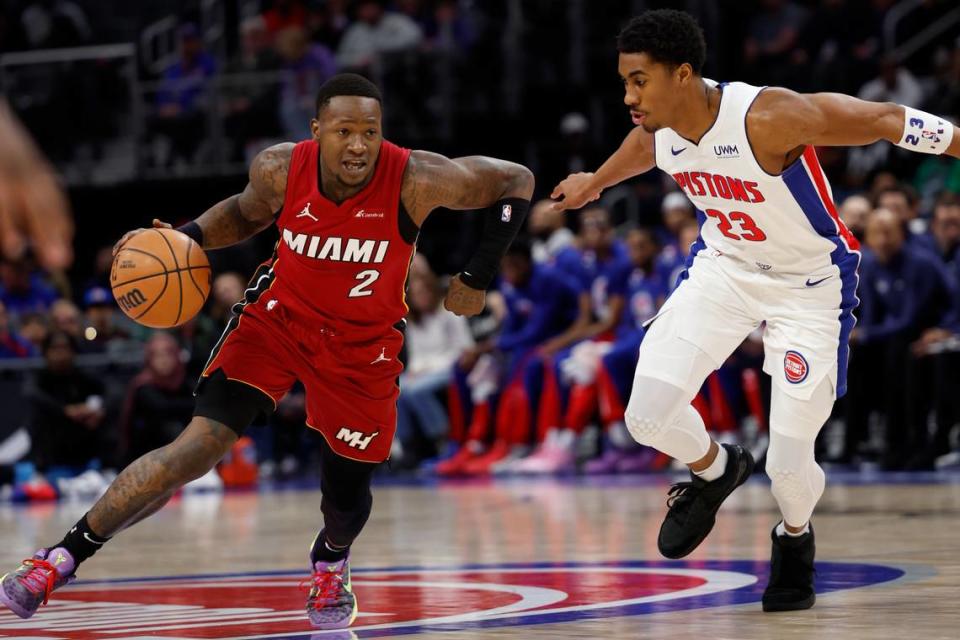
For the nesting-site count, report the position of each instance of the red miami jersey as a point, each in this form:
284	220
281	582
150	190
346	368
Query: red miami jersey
342	265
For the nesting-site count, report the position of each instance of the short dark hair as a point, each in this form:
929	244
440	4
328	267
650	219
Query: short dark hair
666	35
347	84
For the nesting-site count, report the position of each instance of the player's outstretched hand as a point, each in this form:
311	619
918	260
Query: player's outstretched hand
575	191
157	224
463	300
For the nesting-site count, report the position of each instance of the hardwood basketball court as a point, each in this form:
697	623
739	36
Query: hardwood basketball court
509	559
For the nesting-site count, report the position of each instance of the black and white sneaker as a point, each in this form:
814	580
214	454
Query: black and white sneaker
693	505
791	573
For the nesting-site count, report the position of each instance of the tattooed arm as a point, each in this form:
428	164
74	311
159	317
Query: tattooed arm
432	180
245	214
474	182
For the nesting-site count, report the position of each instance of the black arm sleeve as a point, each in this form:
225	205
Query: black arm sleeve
501	225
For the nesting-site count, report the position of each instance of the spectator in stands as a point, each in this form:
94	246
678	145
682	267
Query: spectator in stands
376	32
903	293
505	373
105	328
227	291
67	412
894	84
549	231
943	239
676	211
159	400
24	289
250	100
671	270
307	66
66	317
772	38
12	345
435	341
855	211
902	200
34	328
181	99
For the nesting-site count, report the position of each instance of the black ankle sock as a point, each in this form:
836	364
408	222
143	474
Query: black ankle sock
81	541
323	550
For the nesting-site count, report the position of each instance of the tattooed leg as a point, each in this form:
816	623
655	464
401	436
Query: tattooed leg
148	483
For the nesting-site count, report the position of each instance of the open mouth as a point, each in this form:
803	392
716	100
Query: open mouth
354	166
637	116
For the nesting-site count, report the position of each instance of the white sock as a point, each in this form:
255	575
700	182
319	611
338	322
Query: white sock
782	530
716	468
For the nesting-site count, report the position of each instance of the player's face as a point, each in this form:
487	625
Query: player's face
652	90
349	132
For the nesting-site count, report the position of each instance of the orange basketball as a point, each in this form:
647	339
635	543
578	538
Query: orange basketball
160	278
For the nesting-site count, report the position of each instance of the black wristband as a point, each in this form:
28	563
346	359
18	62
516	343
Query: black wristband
193	231
500	226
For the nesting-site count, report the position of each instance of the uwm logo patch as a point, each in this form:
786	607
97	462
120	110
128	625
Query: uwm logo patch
409	600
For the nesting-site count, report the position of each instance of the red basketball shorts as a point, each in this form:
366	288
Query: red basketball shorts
350	376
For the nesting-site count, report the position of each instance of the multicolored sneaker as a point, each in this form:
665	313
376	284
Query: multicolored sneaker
331	603
24	590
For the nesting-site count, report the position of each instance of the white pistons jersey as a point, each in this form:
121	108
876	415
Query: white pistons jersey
783	223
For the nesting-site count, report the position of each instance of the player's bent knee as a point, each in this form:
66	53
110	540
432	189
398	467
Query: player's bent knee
197	449
644	430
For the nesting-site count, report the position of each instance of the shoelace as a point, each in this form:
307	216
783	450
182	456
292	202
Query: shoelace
36	580
327	584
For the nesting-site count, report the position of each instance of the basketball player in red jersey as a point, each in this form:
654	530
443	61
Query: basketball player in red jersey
327	310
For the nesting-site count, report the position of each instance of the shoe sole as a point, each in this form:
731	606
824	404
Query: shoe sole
332	626
799	605
748	462
13	606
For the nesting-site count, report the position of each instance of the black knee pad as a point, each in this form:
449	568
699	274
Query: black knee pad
230	402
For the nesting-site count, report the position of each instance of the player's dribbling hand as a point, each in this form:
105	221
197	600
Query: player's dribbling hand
463	300
157	224
576	191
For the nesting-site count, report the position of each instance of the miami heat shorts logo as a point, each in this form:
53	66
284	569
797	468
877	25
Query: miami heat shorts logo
795	367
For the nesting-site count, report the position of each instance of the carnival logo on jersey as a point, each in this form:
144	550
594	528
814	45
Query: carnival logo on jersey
335	249
410	600
795	367
368	213
726	150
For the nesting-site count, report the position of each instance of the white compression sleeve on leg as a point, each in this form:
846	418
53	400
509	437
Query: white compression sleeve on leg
797	481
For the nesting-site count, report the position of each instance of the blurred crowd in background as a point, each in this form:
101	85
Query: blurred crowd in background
537	384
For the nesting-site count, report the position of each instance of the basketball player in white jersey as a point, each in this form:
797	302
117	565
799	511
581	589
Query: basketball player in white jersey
771	249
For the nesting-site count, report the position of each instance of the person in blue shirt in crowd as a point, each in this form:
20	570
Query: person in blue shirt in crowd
12	345
593	263
644	290
904	292
540	304
937	359
23	289
671	265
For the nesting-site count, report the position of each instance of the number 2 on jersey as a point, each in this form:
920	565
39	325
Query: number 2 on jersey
747	229
368	277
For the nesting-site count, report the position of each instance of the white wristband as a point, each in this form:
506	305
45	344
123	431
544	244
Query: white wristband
924	132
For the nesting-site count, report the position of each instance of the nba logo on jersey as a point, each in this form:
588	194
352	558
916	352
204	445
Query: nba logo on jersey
506	213
795	367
